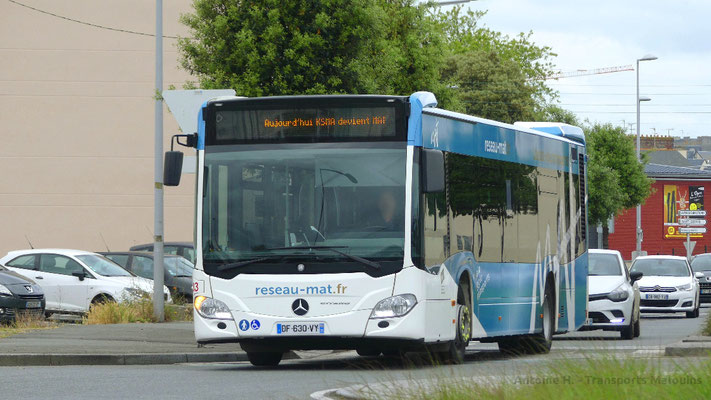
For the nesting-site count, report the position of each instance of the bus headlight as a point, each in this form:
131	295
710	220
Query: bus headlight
212	308
395	306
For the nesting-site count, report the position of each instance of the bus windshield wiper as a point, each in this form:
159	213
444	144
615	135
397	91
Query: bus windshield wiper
239	264
371	264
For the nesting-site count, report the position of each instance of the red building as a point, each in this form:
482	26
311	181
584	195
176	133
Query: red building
675	190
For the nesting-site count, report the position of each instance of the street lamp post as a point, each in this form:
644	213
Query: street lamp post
648	57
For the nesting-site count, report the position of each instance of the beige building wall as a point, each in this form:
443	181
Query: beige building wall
76	123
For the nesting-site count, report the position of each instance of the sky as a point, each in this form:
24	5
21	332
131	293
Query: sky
605	33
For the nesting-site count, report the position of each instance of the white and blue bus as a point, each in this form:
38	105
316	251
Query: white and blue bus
385	225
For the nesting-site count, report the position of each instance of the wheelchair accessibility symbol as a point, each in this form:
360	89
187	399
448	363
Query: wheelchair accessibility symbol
255	324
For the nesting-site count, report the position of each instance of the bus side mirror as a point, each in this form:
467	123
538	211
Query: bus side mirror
172	168
433	171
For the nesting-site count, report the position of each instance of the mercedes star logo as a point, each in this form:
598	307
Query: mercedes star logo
29	289
300	307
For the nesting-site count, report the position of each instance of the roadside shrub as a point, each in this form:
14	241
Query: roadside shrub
133	311
25	322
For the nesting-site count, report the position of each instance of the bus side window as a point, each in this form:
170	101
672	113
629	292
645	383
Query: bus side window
435	229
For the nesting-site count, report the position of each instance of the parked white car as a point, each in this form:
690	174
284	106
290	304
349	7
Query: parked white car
613	294
73	280
668	285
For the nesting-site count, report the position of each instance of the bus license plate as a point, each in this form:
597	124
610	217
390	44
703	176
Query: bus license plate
33	304
301	328
655	296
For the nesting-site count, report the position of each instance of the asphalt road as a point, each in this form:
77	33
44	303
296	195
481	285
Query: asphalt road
297	379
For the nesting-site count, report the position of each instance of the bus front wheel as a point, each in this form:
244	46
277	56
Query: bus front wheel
264	359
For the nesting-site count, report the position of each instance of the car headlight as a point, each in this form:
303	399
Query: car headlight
212	308
4	291
395	306
686	287
619	294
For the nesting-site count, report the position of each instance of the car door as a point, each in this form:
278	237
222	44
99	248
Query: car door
73	291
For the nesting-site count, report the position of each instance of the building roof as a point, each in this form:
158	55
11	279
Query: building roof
670	171
670	157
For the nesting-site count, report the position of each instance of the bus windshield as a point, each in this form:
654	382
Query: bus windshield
277	200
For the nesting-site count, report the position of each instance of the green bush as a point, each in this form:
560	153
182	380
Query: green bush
140	310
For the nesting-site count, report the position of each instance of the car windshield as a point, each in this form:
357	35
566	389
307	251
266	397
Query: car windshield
276	202
603	264
660	267
102	265
178	266
701	263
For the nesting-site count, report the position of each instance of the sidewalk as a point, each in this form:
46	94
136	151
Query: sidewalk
123	344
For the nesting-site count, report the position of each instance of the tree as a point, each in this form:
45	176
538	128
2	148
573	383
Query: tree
617	181
287	47
556	113
490	86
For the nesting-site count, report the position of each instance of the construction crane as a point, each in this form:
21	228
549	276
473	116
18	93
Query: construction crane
584	72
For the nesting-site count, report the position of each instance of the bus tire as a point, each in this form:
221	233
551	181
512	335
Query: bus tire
541	343
463	328
264	359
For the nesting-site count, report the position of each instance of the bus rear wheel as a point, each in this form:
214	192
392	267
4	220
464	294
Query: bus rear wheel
264	359
541	343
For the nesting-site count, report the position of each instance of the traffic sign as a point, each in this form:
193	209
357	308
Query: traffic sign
692	221
692	213
692	230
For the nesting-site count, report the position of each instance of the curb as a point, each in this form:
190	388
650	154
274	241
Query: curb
683	349
27	360
692	346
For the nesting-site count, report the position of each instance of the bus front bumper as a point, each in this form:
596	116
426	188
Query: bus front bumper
350	330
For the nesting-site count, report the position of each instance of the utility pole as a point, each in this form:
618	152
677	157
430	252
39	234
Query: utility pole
669	131
158	301
639	99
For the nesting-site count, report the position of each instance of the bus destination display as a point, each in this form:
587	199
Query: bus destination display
376	123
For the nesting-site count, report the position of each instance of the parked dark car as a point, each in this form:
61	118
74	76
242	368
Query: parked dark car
185	249
702	263
18	295
178	271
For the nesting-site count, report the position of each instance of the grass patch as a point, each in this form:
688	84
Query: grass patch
578	379
134	311
707	328
25	323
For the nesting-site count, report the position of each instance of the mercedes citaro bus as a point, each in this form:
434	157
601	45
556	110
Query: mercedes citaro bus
383	224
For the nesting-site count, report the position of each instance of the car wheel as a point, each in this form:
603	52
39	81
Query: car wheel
627	332
264	359
693	314
636	328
